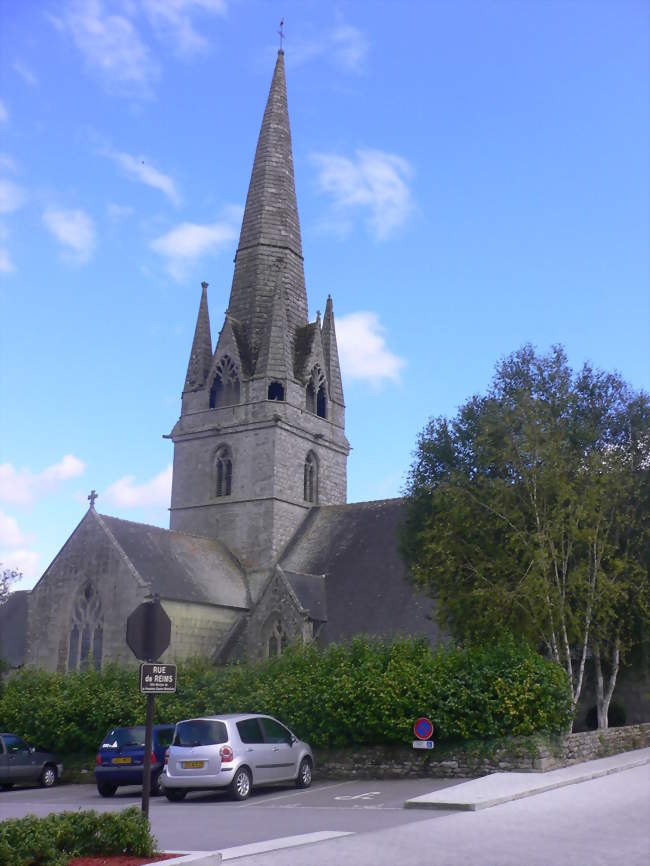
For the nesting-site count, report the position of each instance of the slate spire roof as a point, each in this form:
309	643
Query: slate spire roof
201	355
269	257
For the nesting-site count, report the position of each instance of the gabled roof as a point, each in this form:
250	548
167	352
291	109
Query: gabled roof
309	589
367	588
179	566
13	628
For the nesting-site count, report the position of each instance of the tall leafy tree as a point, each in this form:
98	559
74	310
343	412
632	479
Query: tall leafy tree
529	513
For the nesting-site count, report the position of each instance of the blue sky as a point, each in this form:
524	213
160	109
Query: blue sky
470	176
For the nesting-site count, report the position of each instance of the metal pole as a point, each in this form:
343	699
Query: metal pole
148	742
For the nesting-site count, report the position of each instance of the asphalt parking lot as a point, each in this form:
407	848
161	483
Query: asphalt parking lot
207	821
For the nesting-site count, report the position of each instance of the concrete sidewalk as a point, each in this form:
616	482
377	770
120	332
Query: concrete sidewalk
503	787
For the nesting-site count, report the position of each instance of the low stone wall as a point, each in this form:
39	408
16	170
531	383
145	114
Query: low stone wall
529	754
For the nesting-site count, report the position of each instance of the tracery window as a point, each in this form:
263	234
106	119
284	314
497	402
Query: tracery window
225	390
224	471
277	640
316	393
86	632
310	485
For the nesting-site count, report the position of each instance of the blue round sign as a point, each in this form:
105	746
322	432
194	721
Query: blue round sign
423	728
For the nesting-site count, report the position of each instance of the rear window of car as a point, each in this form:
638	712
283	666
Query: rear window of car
165	737
118	738
201	732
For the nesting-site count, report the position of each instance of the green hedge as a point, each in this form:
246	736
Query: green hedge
53	840
366	692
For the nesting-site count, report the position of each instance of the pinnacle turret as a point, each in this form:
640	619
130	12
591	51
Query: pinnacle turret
331	353
201	354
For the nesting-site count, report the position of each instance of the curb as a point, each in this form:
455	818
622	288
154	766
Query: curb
195	858
476	805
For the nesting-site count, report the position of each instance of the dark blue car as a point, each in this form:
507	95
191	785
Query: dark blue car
120	759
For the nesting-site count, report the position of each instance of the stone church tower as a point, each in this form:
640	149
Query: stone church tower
261	437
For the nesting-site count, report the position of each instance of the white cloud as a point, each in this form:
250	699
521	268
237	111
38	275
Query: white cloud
12	196
125	492
140	169
363	351
172	19
188	241
25	73
345	46
111	45
10	534
6	265
118	212
74	229
22	486
350	47
374	181
4	114
23	560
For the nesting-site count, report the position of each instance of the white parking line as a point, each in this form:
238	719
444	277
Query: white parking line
279	844
269	799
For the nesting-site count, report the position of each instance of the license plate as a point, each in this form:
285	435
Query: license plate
192	765
121	760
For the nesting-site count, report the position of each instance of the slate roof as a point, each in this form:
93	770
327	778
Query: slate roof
179	566
310	592
367	588
13	628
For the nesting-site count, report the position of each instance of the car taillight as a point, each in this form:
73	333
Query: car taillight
226	754
166	756
98	759
153	758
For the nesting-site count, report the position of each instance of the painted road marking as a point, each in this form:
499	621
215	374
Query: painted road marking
279	844
367	796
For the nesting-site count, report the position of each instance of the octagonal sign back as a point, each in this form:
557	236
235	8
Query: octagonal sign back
148	631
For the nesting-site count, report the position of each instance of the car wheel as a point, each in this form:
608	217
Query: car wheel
6	786
48	776
304	774
106	789
156	789
175	795
240	787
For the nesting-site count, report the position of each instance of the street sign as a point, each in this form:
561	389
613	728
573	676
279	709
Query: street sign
148	631
423	744
423	729
157	679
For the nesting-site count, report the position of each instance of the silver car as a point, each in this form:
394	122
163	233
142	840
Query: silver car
235	751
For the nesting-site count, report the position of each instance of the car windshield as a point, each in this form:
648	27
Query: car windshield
164	737
201	732
120	737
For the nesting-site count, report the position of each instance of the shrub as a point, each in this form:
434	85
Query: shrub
365	692
53	840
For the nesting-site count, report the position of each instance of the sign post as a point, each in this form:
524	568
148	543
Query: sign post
423	730
148	632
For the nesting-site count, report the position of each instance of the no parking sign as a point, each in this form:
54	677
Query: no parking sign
423	730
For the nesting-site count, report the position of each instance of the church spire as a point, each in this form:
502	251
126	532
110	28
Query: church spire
331	353
269	256
201	354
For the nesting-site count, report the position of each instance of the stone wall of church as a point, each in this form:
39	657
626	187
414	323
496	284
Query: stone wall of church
87	557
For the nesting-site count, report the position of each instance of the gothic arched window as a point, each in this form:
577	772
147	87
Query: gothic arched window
310	489
316	393
86	631
224	471
277	640
225	386
276	391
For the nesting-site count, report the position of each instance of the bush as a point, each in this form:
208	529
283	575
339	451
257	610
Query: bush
365	692
53	840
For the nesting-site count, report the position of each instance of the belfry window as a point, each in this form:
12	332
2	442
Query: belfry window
316	394
224	471
311	478
225	390
276	391
86	632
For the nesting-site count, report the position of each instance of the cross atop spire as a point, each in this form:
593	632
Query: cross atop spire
281	32
91	497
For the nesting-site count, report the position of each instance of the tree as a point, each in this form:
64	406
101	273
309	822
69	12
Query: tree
7	577
529	513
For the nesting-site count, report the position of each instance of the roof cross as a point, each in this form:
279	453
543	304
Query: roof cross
92	498
281	32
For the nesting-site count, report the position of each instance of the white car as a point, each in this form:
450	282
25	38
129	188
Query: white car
236	751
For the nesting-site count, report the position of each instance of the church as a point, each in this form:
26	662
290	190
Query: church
262	549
